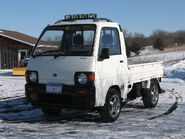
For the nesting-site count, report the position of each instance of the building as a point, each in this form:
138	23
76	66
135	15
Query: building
14	47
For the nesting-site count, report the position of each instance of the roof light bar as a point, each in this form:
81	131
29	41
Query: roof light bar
72	18
80	17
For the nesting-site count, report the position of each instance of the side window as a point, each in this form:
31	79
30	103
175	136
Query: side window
109	38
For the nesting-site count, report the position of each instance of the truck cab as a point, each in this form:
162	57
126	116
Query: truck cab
82	65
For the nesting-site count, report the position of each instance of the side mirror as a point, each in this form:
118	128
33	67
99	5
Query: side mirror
104	54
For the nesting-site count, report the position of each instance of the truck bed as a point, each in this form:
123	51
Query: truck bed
143	71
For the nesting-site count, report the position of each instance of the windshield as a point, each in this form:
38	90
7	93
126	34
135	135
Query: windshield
73	40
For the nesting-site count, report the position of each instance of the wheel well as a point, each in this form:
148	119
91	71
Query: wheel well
157	81
116	87
135	92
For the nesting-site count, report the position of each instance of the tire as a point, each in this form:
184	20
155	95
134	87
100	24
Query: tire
111	110
51	111
151	96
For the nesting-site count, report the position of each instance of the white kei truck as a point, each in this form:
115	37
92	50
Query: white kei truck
79	64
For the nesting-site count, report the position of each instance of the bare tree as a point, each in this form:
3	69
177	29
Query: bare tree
180	37
168	39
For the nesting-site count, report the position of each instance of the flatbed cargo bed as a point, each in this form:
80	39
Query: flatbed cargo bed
143	71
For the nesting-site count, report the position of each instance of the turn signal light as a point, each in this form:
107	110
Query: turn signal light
30	89
81	92
91	77
26	75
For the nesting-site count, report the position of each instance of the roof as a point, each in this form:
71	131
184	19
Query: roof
20	37
96	23
100	24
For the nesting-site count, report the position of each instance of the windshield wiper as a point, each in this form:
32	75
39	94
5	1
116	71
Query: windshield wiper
61	52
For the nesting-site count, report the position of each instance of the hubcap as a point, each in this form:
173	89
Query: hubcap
114	106
155	94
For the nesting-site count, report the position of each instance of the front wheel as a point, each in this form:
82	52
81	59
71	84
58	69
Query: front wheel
151	96
51	111
111	110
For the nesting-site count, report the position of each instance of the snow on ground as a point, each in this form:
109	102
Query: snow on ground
18	119
175	70
150	54
9	86
148	50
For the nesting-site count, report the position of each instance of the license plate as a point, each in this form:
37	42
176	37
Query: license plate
53	88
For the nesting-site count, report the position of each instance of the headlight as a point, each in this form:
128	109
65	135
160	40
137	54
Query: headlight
31	76
82	78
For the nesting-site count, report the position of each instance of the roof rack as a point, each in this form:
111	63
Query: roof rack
75	17
105	19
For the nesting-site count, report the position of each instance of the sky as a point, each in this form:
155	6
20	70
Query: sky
143	16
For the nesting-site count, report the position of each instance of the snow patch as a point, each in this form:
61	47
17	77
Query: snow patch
148	50
175	70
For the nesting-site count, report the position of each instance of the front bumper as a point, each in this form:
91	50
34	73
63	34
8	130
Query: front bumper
70	97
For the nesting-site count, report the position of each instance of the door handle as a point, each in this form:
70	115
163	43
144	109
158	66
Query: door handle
121	61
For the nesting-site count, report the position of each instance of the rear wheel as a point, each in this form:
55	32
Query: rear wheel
151	96
51	111
111	110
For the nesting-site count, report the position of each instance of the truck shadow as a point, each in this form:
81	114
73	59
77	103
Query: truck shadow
18	110
9	73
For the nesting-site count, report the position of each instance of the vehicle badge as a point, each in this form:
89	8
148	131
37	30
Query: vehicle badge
54	75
